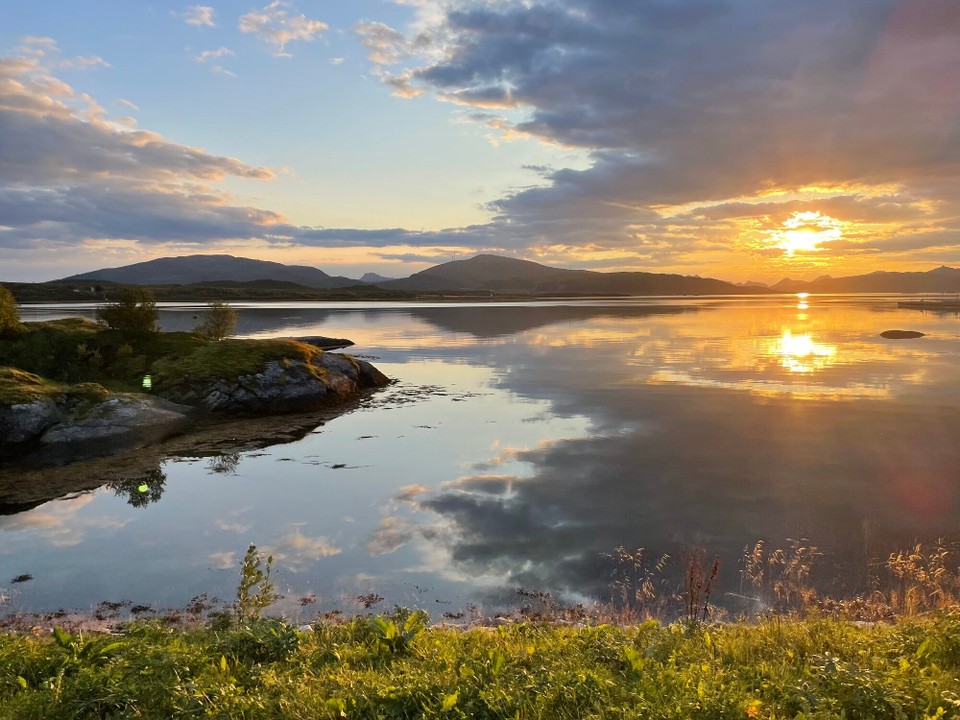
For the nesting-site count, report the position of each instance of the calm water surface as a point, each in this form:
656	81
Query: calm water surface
522	443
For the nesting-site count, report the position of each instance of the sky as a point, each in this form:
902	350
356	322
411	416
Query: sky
738	139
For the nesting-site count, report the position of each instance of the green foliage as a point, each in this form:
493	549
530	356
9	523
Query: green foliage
219	321
808	669
394	635
9	314
134	315
255	591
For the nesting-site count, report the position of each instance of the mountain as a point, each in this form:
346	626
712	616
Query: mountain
372	277
190	269
939	280
497	274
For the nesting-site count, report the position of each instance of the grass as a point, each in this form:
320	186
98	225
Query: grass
233	358
17	386
239	664
359	669
47	356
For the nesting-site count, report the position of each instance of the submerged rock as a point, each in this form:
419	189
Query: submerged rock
901	334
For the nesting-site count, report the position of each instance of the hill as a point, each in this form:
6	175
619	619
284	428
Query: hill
503	275
191	269
939	280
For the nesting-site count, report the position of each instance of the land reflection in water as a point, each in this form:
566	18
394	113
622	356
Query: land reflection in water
524	443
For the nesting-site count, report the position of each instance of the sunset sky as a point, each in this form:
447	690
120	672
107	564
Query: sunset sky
739	139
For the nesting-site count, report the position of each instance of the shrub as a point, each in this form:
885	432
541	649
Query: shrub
134	315
9	313
219	321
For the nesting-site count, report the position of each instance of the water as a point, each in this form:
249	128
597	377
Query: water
521	444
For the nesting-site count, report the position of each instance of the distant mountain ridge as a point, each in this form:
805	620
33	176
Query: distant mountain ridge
939	280
192	269
504	275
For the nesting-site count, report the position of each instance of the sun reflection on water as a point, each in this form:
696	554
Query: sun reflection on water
801	353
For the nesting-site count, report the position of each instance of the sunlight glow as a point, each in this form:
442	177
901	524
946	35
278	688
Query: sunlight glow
803	232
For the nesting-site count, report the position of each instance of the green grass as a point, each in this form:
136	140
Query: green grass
17	386
390	667
76	350
232	358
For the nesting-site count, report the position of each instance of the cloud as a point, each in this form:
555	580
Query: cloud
69	173
198	16
277	27
691	103
47	50
214	54
217	68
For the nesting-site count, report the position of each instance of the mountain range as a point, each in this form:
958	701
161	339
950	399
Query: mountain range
193	269
502	275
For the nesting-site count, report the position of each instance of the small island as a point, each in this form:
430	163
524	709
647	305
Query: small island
74	388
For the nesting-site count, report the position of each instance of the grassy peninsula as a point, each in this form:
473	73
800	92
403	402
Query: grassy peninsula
77	350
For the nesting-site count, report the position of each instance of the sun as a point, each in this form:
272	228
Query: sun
803	232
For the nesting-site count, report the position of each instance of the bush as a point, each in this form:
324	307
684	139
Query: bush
219	321
9	313
134	315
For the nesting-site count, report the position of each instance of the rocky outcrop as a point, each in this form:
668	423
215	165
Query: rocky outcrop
56	425
279	386
128	420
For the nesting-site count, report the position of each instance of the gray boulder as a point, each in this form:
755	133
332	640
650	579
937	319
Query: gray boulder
127	420
26	421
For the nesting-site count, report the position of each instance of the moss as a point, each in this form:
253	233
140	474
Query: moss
17	386
232	358
88	392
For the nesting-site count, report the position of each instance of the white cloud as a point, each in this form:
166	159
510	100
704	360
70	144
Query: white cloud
70	173
198	16
277	27
213	54
220	70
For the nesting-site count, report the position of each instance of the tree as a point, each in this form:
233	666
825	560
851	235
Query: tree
219	321
134	315
9	313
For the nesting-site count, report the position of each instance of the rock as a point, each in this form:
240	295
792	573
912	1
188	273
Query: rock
27	421
84	420
127	420
901	334
369	376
